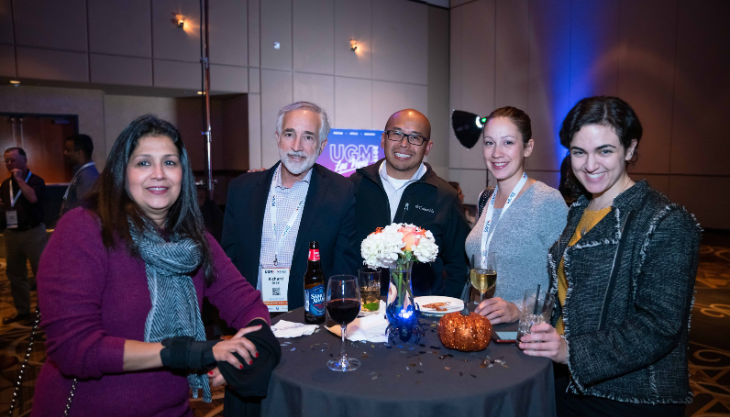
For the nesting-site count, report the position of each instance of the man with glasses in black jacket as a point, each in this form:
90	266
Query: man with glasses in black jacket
404	189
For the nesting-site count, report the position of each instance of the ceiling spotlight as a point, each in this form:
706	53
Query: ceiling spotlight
353	45
467	127
181	23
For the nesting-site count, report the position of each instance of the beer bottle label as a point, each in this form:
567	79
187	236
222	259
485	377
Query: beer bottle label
313	255
314	300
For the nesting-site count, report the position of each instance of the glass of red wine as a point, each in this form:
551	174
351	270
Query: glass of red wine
343	306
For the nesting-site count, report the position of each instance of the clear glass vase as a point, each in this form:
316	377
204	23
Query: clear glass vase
401	309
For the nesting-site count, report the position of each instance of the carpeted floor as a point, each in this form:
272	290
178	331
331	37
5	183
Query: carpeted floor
709	341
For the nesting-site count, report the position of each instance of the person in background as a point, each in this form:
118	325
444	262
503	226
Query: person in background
469	217
521	220
22	197
623	272
271	216
122	319
77	151
403	189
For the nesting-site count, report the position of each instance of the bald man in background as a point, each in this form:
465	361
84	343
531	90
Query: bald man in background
403	189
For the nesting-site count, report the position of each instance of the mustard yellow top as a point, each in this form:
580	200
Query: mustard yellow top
587	222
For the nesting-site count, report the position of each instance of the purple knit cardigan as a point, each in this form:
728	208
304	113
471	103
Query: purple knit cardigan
92	300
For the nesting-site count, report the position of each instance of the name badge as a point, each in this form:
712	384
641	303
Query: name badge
274	286
11	217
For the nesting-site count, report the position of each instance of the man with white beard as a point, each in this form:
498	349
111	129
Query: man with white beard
271	216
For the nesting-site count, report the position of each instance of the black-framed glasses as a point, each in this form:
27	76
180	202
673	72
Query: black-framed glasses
413	139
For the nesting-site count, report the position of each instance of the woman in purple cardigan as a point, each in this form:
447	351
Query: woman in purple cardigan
121	284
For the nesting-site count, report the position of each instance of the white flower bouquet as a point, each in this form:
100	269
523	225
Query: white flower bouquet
396	247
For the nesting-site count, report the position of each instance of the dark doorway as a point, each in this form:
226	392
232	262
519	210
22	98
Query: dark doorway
42	136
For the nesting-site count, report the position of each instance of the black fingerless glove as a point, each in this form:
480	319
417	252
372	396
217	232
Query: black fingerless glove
184	352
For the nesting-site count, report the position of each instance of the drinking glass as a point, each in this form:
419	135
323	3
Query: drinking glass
343	304
369	290
483	275
536	309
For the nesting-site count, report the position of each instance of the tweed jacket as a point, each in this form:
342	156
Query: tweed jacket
640	355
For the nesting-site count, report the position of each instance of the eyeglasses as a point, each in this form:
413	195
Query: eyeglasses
413	139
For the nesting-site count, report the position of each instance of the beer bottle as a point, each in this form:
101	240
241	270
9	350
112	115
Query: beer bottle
314	287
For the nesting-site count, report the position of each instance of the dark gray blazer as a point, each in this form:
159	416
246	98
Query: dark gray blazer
328	218
641	354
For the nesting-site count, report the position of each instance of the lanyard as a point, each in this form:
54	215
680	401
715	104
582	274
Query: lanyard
289	224
17	195
65	195
490	213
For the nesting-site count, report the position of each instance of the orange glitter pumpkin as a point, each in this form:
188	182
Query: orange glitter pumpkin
465	333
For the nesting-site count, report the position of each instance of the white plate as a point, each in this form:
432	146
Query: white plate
454	304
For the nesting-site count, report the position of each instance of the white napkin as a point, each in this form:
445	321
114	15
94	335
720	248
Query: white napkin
370	328
290	329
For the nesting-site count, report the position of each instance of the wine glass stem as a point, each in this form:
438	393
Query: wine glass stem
343	352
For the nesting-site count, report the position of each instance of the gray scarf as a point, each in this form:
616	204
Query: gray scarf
175	310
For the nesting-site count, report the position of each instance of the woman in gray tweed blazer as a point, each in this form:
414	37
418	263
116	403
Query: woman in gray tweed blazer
624	272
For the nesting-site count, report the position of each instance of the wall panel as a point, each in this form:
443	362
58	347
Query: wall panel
235	134
512	55
276	26
594	46
51	24
7	61
120	27
122	70
353	103
314	36
169	41
705	197
6	22
438	89
254	80
549	90
174	74
473	78
701	126
646	75
254	33
46	64
319	89
388	98
277	91
228	32
353	20
398	54
228	79
254	131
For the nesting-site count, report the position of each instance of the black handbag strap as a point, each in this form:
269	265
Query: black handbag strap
23	367
483	198
615	268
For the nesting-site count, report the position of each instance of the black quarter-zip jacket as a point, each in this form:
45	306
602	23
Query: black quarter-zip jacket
430	203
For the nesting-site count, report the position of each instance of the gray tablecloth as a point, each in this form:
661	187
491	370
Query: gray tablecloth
407	380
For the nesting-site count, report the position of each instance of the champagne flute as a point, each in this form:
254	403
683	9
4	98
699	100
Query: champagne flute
483	276
343	305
